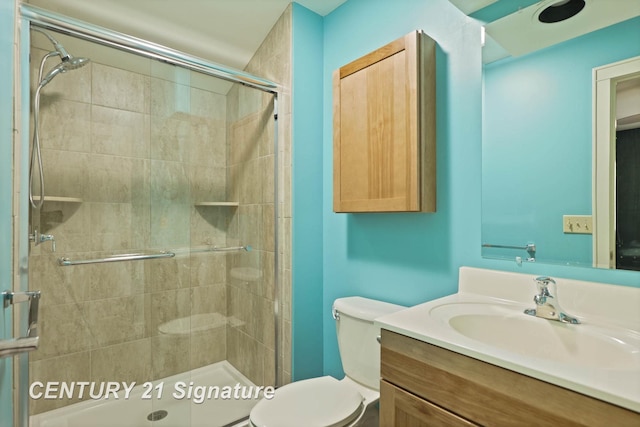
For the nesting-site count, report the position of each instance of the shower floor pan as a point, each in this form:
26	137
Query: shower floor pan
167	412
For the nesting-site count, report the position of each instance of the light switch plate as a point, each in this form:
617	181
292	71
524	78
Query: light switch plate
577	224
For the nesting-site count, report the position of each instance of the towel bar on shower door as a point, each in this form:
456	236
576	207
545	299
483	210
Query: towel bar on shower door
64	262
224	249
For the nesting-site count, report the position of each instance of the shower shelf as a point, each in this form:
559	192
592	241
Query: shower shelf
59	199
229	204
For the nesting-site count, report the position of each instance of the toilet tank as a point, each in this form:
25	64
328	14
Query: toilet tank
357	337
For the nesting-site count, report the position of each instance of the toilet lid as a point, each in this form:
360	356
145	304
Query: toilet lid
318	402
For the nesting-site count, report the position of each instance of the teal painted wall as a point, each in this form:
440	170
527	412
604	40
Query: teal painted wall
400	258
7	19
307	310
538	129
406	258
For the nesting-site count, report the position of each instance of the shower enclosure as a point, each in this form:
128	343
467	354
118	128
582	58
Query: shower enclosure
154	238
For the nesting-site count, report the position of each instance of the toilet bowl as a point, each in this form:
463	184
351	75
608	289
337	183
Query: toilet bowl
323	401
326	401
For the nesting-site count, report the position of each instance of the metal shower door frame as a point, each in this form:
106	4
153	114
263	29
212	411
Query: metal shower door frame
41	18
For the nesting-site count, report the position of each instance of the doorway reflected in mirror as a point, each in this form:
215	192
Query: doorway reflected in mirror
628	198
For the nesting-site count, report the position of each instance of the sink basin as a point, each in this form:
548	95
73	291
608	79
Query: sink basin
485	320
506	327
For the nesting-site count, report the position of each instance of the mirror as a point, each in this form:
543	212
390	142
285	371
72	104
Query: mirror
538	126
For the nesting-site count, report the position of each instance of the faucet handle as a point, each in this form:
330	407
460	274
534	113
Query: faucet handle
545	279
544	292
544	282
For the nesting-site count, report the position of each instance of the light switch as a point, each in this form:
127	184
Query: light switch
580	224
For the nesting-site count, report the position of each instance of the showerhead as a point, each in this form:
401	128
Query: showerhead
63	67
74	63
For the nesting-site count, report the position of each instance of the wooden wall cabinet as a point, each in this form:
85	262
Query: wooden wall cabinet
384	132
426	385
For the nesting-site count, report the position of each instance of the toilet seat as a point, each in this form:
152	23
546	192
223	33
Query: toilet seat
317	402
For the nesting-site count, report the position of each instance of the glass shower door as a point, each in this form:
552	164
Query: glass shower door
173	170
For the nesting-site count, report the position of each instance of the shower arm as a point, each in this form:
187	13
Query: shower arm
60	50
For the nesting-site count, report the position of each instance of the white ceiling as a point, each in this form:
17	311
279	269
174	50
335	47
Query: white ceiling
521	32
227	32
470	6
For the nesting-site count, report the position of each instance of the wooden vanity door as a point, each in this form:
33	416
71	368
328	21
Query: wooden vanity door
399	408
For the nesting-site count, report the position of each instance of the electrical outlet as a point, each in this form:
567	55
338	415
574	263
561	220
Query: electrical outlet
580	224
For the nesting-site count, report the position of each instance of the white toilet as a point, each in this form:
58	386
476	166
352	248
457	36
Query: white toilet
325	401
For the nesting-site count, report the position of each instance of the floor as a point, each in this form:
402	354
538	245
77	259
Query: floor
371	417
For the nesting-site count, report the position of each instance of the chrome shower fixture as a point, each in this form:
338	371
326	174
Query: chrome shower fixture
68	63
63	67
61	51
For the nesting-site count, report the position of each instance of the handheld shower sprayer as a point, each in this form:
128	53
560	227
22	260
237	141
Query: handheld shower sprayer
63	67
68	63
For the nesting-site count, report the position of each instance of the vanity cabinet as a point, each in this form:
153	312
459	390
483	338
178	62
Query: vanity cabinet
401	408
426	385
384	139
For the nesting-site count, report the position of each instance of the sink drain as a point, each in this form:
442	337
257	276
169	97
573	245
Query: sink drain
157	415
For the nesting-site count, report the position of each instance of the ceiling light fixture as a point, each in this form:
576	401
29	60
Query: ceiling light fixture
559	11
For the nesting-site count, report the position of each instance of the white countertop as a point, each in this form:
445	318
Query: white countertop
595	304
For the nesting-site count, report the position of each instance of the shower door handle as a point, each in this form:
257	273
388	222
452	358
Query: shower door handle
30	341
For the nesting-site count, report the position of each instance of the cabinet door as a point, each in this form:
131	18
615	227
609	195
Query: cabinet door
401	409
384	134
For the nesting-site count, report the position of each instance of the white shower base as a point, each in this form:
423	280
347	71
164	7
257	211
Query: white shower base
133	412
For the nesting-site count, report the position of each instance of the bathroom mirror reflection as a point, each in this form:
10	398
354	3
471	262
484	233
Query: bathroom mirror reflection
538	126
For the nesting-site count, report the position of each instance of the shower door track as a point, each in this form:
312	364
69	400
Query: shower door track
84	30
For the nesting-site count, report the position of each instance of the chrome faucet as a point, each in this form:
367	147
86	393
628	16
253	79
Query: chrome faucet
547	305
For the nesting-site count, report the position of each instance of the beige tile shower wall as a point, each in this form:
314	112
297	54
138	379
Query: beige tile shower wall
251	341
139	148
